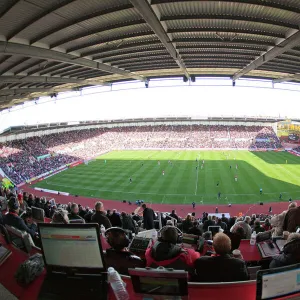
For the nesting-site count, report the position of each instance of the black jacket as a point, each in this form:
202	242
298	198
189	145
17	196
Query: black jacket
100	218
122	260
148	216
115	220
72	216
195	230
208	223
128	223
12	219
224	268
289	256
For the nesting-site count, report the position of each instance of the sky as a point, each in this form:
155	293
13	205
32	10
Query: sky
163	98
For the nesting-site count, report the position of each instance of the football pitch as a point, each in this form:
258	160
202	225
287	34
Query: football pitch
186	178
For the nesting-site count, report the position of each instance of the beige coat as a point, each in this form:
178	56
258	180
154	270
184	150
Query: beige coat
277	224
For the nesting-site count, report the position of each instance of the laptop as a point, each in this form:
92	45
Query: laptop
38	214
74	262
278	283
214	229
160	283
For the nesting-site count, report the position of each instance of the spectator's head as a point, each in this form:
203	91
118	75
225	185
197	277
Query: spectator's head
241	232
13	205
168	234
222	244
27	217
207	235
99	206
247	219
292	205
173	211
144	206
114	211
189	218
257	223
223	215
123	214
193	214
117	238
74	209
195	223
267	222
60	216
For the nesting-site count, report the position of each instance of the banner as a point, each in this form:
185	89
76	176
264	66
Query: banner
43	156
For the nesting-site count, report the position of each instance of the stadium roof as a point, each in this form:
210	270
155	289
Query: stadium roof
48	46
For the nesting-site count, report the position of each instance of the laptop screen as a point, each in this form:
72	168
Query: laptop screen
278	282
38	214
71	246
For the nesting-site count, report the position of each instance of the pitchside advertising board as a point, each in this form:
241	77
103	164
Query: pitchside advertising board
289	131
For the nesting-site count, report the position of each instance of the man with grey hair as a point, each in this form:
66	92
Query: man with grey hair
290	254
243	224
99	216
221	267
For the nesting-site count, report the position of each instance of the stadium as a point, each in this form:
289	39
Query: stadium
166	123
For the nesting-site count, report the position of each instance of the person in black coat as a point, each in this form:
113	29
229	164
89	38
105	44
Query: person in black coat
115	219
99	216
221	267
13	219
148	217
290	254
195	230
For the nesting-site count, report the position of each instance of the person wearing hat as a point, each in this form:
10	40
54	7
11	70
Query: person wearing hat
118	256
13	219
168	252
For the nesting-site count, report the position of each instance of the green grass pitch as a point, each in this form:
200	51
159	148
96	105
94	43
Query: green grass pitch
107	177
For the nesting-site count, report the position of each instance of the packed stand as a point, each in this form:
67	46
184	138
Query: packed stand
24	159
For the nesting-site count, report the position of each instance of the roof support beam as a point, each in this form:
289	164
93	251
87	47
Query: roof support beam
145	10
277	50
288	78
51	55
244	18
8	7
254	2
39	79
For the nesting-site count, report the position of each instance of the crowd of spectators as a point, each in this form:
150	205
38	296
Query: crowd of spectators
24	159
216	255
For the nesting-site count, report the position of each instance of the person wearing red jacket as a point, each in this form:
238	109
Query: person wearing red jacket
168	252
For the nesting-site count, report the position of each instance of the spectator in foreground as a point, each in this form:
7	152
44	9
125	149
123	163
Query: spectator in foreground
267	225
221	267
277	221
60	216
74	214
187	223
99	216
174	215
257	227
118	255
128	223
292	219
195	230
148	217
13	219
167	253
115	219
290	254
245	225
